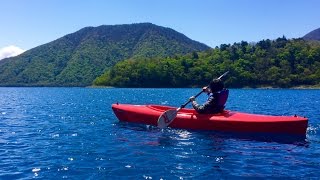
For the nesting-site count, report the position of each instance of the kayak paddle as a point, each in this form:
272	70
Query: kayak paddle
168	116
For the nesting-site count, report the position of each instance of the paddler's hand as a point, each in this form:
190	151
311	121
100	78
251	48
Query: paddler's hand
205	89
192	98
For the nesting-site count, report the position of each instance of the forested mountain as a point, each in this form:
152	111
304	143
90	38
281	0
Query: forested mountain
268	63
78	58
313	35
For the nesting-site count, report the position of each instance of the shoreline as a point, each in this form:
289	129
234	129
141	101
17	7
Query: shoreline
316	87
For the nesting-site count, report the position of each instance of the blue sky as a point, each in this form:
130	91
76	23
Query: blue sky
30	23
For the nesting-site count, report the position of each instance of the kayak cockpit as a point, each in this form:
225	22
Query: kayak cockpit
182	111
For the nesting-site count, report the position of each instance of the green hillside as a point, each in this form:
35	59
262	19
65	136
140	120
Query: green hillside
78	58
277	63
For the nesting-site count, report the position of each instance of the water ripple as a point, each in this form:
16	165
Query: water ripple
55	133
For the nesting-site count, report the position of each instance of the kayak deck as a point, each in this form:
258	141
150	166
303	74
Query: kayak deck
230	121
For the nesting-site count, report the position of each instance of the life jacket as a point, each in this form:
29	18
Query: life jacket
221	98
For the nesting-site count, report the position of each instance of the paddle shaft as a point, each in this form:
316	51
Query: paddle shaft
190	101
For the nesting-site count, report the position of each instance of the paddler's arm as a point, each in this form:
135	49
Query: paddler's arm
201	108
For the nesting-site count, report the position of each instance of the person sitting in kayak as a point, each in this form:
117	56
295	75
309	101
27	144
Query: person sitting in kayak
217	97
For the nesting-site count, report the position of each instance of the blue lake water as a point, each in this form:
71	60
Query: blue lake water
54	133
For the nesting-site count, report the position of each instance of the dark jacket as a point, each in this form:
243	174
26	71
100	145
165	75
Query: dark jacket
214	104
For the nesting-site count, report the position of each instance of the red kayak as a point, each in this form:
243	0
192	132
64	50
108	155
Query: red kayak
228	121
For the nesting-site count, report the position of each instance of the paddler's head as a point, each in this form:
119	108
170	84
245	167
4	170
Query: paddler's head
216	85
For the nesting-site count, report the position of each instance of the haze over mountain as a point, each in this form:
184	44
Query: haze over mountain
313	35
78	58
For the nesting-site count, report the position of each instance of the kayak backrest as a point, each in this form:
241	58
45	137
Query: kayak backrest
222	97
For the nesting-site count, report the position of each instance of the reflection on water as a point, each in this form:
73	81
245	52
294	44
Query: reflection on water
186	136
